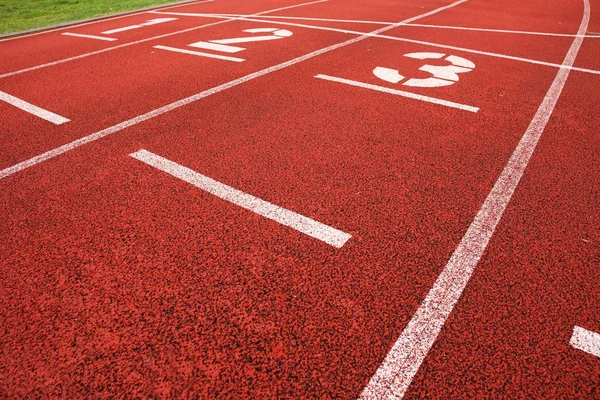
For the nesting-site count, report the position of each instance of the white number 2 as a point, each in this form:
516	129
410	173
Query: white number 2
442	75
225	45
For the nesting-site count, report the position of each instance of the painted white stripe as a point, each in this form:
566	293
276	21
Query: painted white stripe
157	21
369	22
399	93
126	14
180	103
217	47
303	224
64	60
199	53
31	109
443	46
585	340
81	35
147	23
393	377
123	29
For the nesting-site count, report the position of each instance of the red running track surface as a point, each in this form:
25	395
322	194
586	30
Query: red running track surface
120	280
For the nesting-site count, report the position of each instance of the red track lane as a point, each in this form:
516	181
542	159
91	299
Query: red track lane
509	336
120	279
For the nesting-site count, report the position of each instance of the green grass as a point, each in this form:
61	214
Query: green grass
18	15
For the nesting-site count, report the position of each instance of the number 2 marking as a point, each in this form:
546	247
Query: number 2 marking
442	75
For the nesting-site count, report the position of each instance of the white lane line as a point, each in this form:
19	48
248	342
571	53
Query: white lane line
81	35
123	29
180	103
126	14
32	109
64	60
147	23
393	377
585	340
369	22
308	226
400	39
217	47
399	93
199	53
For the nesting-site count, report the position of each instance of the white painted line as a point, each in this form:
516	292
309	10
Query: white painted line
217	47
157	21
123	29
393	377
64	60
585	340
147	23
81	35
96	20
31	109
400	39
180	103
199	53
369	22
303	224
399	93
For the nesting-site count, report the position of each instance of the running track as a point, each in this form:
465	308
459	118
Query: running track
374	200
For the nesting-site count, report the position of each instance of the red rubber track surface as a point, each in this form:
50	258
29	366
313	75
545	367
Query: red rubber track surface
119	280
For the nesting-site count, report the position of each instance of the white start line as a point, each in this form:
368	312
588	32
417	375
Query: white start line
308	226
33	109
585	340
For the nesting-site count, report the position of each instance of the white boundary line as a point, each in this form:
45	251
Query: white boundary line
585	340
393	377
64	60
399	93
400	39
308	226
358	21
33	109
95	20
180	103
199	53
81	35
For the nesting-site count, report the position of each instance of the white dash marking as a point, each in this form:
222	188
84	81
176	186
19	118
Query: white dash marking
156	21
585	340
199	53
217	47
32	109
394	375
123	29
399	93
303	224
106	39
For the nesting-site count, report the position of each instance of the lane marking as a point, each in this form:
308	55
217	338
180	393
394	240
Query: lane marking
81	35
64	60
400	39
199	53
180	103
303	224
96	20
585	340
393	377
147	23
32	109
399	93
589	34
217	47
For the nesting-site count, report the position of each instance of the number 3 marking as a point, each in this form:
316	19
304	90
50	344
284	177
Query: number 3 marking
445	75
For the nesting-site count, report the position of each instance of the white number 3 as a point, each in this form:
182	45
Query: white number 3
442	75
